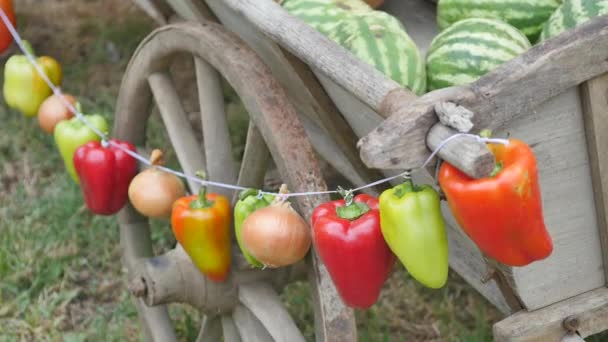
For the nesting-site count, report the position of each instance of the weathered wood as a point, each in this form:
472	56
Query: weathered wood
548	69
218	146
467	154
255	160
231	333
455	116
594	97
329	151
266	305
211	329
135	243
249	327
190	10
419	19
590	309
316	50
303	89
556	134
177	125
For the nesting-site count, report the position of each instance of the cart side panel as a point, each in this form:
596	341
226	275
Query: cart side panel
556	134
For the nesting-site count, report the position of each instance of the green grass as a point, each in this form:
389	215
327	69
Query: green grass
61	277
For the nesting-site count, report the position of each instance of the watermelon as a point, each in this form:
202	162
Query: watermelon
323	15
572	13
469	49
528	16
380	40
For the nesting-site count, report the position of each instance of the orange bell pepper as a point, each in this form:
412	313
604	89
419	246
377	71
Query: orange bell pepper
201	224
502	213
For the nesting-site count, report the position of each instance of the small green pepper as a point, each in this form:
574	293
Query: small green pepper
24	89
73	133
412	225
247	204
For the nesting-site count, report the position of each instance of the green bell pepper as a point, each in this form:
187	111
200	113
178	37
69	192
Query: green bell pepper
247	204
24	89
73	133
412	225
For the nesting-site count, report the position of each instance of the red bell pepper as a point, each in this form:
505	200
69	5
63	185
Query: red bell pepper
350	243
502	213
105	174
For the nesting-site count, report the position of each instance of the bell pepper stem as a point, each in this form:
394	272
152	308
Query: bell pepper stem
246	193
499	166
353	211
201	202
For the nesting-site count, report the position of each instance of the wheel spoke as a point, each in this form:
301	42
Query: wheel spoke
178	127
331	152
266	305
255	159
156	322
218	147
249	327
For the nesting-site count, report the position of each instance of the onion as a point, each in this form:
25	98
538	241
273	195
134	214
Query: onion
276	235
153	192
53	110
374	3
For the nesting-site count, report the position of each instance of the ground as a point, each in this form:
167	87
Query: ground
60	271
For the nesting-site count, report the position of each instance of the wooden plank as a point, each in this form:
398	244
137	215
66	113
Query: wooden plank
556	134
549	69
178	127
545	325
231	333
303	89
266	305
218	146
211	329
249	327
594	97
317	51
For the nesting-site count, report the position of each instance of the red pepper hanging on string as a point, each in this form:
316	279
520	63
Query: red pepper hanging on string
105	173
348	238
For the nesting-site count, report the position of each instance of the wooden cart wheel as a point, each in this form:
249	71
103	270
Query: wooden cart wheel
246	307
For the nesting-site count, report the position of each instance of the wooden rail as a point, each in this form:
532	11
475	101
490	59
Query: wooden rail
513	89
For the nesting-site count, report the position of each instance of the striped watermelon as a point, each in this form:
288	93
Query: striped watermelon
572	13
469	49
323	15
379	39
528	16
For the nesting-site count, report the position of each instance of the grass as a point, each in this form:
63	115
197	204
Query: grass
60	273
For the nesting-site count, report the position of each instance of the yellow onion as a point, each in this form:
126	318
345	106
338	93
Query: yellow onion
276	235
152	192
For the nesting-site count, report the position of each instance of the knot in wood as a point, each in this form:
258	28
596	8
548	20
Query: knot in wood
138	287
455	116
571	324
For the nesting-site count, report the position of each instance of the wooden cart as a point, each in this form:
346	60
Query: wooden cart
305	94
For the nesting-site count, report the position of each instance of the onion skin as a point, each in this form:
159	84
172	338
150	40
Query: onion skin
276	235
153	192
374	3
53	110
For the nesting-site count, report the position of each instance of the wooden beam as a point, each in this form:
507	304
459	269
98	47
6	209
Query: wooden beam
594	98
265	304
513	89
316	50
590	310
